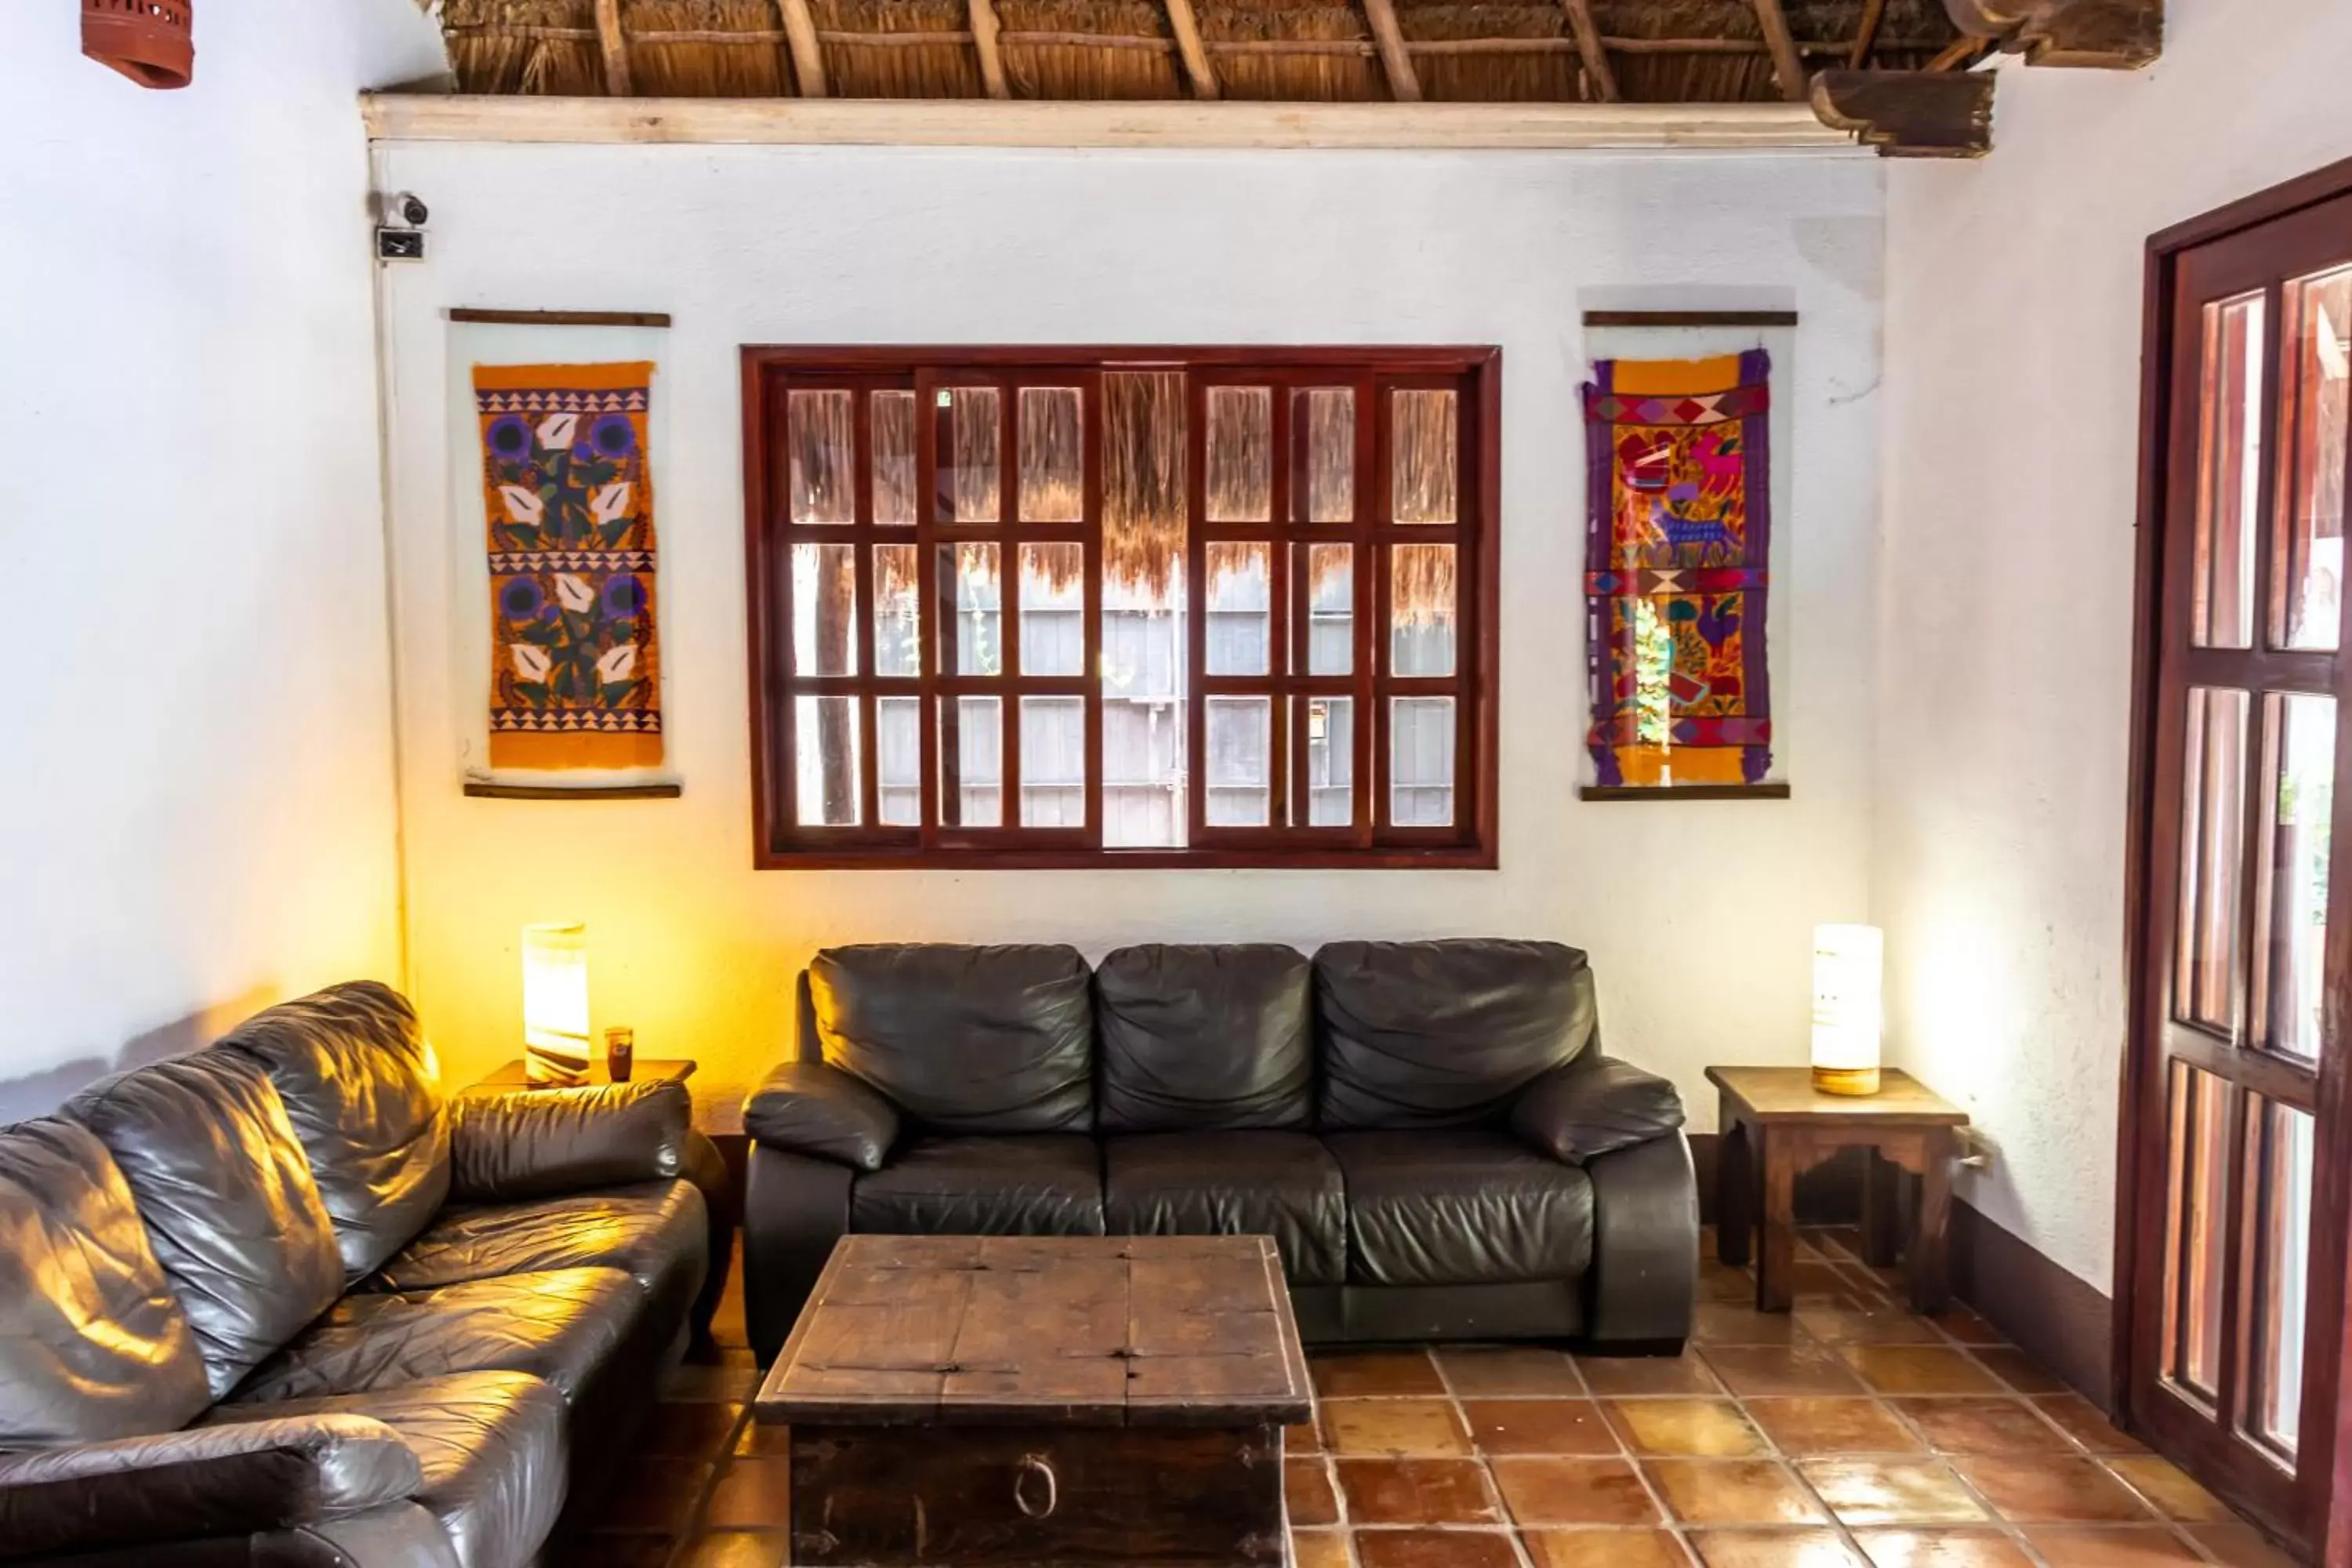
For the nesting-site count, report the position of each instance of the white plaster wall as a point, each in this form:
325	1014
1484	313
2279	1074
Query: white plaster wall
2013	324
197	788
1699	916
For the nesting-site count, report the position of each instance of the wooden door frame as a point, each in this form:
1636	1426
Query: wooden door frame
2326	1475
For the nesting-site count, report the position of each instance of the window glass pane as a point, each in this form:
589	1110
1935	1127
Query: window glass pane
2197	1193
1143	609
898	760
1328	571
972	762
898	611
2310	566
1323	455
1331	762
1241	599
821	432
826	760
971	453
1052	609
1053	762
974	601
2231	461
2293	901
1239	733
2279	1157
825	609
894	457
1421	762
1421	610
1053	456
1423	448
2212	811
1241	454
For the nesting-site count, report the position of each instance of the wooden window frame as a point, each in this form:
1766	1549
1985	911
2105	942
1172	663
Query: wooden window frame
1368	842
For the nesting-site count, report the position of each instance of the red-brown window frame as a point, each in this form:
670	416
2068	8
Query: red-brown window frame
780	844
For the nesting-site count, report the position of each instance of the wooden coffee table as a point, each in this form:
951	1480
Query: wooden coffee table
1041	1400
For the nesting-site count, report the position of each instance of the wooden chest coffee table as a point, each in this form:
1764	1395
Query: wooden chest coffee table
1040	1401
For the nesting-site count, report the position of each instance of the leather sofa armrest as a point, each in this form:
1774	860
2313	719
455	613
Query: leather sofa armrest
1596	1105
534	1142
810	1108
251	1477
1642	1293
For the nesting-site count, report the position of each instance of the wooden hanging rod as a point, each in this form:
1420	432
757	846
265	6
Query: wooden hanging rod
1690	318
560	317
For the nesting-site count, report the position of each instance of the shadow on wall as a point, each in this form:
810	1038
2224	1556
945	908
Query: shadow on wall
25	1098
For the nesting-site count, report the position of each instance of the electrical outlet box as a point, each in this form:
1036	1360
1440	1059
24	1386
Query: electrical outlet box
400	245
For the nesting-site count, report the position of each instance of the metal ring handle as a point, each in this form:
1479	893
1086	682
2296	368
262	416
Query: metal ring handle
1035	1465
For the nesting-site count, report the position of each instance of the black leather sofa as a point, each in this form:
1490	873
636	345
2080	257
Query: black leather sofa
281	1303
1429	1131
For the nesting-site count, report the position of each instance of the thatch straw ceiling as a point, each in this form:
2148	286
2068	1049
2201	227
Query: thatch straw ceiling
1652	51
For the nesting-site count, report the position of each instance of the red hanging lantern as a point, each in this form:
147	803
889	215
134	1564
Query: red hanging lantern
146	40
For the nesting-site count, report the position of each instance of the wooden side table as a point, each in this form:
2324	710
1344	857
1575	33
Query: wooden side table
1775	1126
649	1069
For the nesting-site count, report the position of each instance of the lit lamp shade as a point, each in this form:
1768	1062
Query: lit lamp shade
1849	1004
555	1003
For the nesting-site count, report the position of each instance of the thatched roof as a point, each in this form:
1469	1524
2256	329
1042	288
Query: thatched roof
1654	51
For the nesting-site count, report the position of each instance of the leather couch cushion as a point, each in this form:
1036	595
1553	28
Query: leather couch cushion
492	1447
1215	1037
1460	1206
1282	1184
963	1040
93	1345
1443	1034
651	1231
363	1092
1048	1185
225	1192
561	1326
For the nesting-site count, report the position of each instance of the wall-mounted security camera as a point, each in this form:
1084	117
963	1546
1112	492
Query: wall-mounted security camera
401	217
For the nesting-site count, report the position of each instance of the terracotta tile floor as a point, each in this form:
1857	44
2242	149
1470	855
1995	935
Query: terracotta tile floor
1849	1433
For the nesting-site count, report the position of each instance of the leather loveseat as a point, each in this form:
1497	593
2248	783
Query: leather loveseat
1429	1131
279	1302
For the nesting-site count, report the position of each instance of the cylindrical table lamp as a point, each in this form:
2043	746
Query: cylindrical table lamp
555	1003
1848	1007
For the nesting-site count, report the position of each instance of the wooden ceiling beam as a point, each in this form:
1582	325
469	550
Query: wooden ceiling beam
808	55
2113	35
1600	80
1787	64
1197	69
1910	114
615	43
983	44
1404	86
1865	36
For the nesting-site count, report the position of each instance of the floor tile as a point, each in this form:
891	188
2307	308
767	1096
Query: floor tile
1721	1282
2051	1490
737	1549
1604	1549
1767	1370
2239	1546
2083	1421
2170	1490
1850	1320
1739	1323
1731	1491
660	1498
1965	1326
1962	1548
1573	1491
1307	1486
763	1437
1496	1371
1890	1491
1319	1549
2021	1371
1302	1440
1647	1375
1920	1369
1773	1549
619	1552
1434	1549
752	1494
1418	1491
1833	1427
688	1430
692	1381
1374	1373
1695	1428
1394	1426
1971	1425
1538	1426
2149	1546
